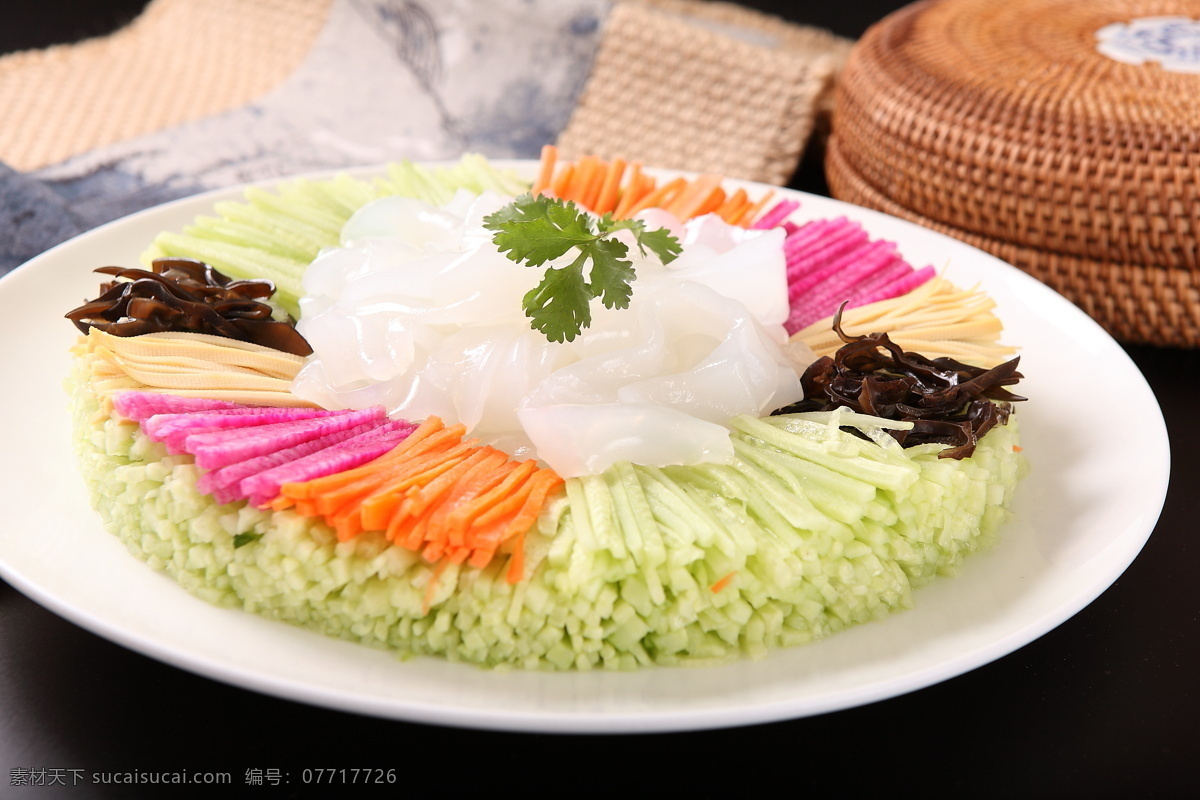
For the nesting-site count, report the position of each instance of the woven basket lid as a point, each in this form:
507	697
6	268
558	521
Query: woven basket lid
1024	128
705	86
178	61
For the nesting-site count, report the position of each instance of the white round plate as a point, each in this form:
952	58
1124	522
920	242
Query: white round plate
1081	518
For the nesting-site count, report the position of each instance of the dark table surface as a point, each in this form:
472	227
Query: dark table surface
1105	705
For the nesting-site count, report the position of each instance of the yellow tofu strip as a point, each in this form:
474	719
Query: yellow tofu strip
191	365
936	319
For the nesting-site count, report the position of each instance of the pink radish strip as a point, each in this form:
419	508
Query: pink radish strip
902	285
835	245
143	405
797	243
847	282
776	215
816	243
825	232
223	483
173	429
894	270
264	487
222	448
872	254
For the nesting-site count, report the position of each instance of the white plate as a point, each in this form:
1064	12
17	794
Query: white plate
1081	519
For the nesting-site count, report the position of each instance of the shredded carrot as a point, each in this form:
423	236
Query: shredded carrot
546	174
563	182
747	218
585	173
715	198
733	205
660	197
693	196
639	186
595	185
606	200
721	584
448	498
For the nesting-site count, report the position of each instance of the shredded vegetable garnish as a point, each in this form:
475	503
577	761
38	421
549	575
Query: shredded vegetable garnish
182	294
948	402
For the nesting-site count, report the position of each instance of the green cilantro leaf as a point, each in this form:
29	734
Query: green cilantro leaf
612	275
558	306
243	539
536	230
664	245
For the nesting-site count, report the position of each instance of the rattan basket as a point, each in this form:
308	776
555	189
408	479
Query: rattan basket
704	86
1003	124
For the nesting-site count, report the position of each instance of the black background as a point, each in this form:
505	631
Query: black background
1103	706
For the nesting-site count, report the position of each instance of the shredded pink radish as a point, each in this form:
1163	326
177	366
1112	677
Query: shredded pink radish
834	261
173	429
138	406
367	446
225	483
222	448
777	214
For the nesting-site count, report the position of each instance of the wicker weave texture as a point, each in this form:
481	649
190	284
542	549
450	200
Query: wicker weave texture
179	60
1134	303
1002	123
671	86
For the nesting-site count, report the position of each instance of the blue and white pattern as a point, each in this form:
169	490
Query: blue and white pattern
1171	42
386	80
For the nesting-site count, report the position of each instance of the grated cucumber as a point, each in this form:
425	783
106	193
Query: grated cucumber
620	571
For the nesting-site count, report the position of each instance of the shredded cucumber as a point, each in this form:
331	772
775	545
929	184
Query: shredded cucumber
277	234
797	538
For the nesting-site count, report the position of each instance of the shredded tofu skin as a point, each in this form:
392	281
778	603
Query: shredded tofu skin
936	319
190	365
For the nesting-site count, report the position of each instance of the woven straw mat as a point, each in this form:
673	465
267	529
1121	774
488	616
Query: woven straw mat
704	86
1003	125
178	61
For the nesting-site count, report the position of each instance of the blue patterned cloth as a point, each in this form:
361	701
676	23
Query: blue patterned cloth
386	80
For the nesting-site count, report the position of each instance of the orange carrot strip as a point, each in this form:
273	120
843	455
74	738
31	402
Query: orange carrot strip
546	175
418	503
733	204
595	184
506	507
685	203
346	523
721	584
307	508
585	170
280	503
563	182
542	485
306	490
637	188
483	476
747	219
659	197
379	506
407	532
606	200
435	449
516	562
472	495
465	515
715	198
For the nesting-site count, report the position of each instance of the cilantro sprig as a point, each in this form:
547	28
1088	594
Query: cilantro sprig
537	230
